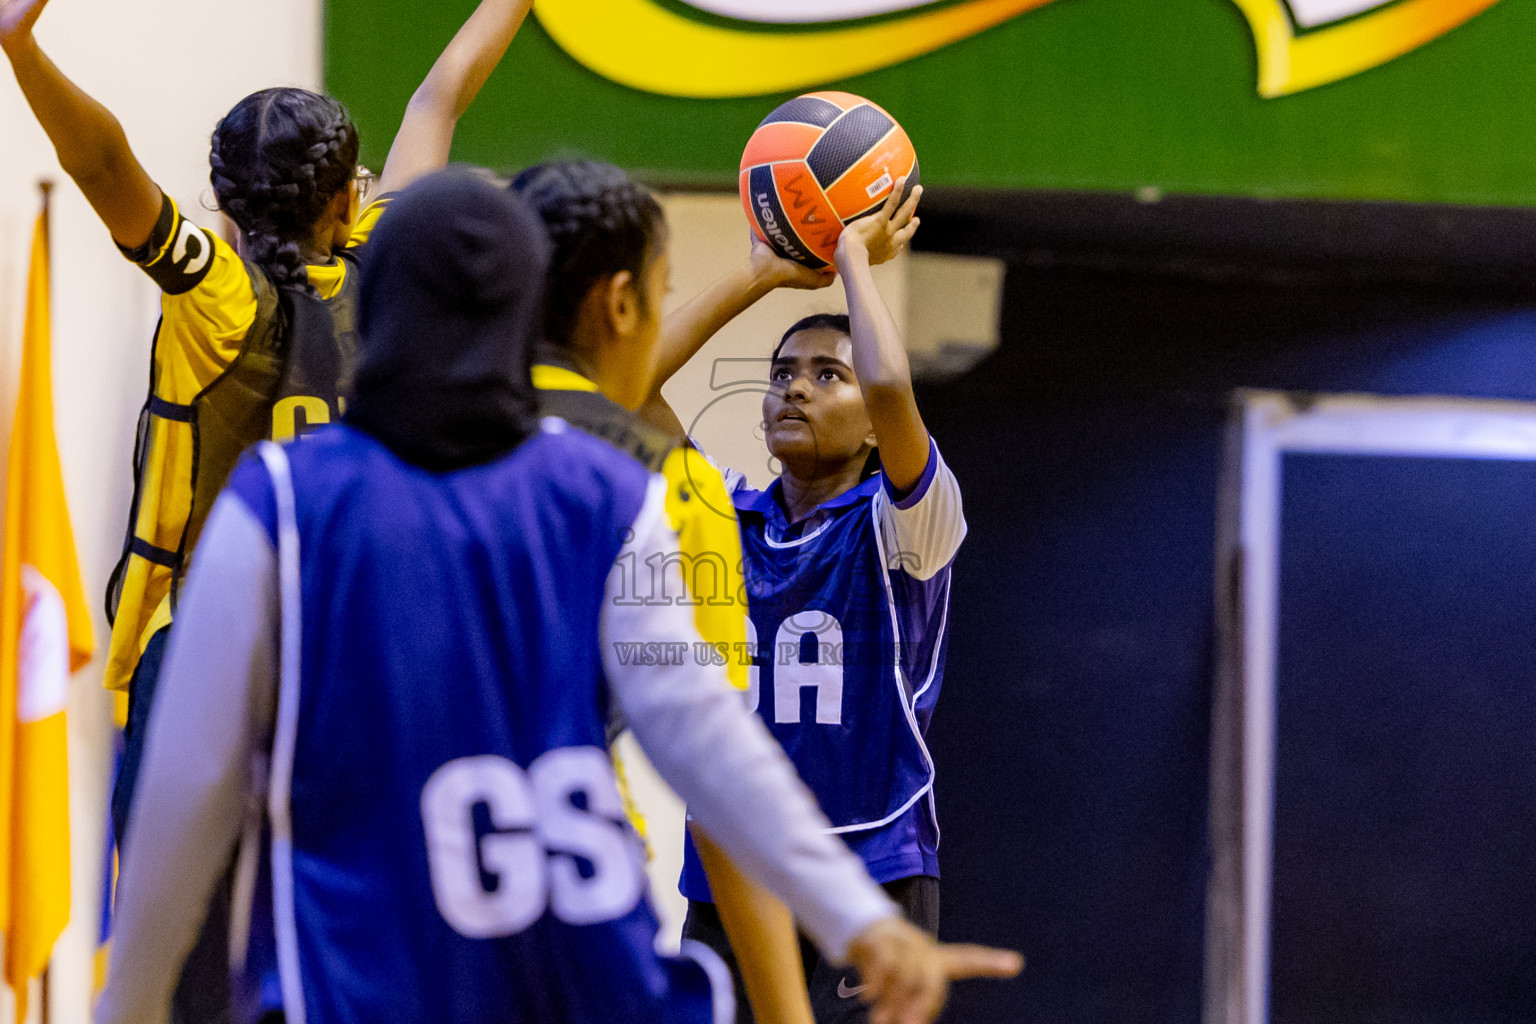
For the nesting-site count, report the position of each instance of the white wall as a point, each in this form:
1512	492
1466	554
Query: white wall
168	69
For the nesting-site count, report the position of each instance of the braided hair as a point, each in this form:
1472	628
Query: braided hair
279	158
600	222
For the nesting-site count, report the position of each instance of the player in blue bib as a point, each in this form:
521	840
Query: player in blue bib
848	558
392	675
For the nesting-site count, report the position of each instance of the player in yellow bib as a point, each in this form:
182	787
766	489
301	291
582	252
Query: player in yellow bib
607	279
253	343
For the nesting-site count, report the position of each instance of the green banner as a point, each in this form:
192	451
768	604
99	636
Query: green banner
1184	96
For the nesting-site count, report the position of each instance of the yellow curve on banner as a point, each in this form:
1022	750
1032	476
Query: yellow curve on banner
1289	63
643	45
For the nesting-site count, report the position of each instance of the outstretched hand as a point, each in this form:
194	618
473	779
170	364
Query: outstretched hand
777	272
887	231
906	974
16	20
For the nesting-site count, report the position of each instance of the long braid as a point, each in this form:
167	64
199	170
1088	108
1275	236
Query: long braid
278	159
599	222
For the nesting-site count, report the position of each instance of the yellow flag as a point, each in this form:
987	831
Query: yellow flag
45	634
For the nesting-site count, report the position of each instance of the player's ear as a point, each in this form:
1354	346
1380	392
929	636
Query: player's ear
622	300
341	213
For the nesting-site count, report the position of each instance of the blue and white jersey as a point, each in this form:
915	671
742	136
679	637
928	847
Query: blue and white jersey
447	842
848	610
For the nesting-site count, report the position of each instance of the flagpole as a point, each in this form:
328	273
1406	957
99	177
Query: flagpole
45	186
45	1011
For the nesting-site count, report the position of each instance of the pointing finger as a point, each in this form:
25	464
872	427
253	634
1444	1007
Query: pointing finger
967	961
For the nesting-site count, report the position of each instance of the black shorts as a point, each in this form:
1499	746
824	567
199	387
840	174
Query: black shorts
834	991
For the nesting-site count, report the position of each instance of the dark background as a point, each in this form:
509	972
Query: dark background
1072	739
1404	778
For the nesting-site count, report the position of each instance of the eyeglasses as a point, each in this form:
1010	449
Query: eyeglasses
365	180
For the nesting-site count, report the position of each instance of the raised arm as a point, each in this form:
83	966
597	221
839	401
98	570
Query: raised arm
426	132
688	327
90	142
879	353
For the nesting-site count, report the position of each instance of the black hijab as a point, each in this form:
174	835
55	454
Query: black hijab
450	307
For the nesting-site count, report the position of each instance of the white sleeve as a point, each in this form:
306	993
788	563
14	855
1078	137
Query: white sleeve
738	784
735	479
212	713
922	531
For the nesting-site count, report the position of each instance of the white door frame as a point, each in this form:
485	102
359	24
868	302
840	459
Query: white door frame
1264	426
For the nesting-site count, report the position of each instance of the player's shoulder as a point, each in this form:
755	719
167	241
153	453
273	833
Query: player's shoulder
554	457
698	502
937	485
731	480
593	413
333	457
924	526
557	465
181	257
367	220
573	459
694	475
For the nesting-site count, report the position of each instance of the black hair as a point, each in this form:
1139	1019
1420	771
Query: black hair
816	321
600	222
279	158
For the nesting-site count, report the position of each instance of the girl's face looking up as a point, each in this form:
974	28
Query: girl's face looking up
814	412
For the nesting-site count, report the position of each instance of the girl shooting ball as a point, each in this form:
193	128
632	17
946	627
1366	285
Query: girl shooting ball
847	564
